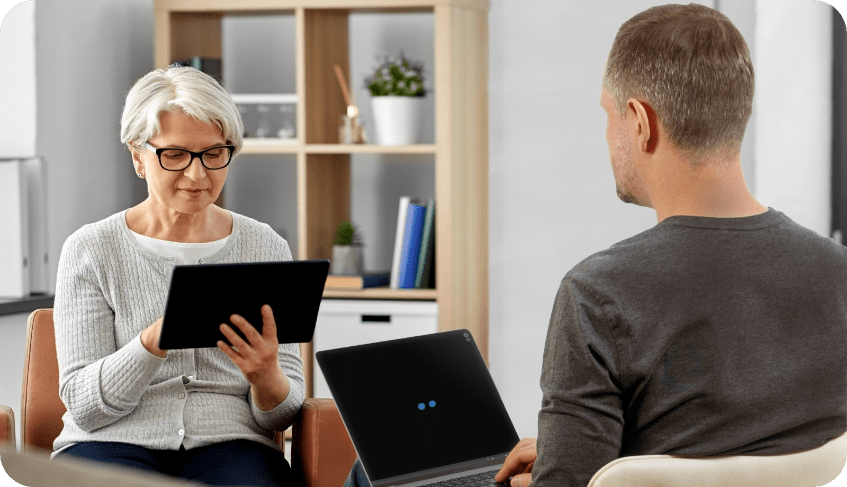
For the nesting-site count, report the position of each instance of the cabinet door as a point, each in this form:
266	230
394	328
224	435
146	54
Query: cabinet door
345	323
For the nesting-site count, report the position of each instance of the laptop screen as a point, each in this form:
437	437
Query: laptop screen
418	403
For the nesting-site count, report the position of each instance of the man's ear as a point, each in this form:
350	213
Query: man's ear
648	127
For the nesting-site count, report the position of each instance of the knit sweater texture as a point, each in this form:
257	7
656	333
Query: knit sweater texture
109	289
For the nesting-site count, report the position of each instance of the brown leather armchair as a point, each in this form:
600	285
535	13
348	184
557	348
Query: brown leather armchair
321	451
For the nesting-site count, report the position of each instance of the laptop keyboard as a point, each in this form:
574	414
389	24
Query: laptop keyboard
473	480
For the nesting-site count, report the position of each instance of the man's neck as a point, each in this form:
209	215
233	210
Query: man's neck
714	188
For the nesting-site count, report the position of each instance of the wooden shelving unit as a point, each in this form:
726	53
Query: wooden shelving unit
185	28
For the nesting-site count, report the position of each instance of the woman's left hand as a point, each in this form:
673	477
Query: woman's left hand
257	358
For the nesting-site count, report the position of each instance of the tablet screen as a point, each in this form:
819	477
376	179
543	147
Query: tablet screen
202	297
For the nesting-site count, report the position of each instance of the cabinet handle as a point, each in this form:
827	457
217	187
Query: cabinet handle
376	319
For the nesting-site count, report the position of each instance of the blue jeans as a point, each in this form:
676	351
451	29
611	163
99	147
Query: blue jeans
357	477
238	462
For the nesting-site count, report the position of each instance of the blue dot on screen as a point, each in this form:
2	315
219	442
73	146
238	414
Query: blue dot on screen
432	404
421	406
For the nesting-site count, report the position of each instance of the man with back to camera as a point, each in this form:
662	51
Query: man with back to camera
722	330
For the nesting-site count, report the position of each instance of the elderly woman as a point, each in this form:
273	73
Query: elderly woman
203	414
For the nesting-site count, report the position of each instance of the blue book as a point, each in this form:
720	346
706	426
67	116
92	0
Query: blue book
410	252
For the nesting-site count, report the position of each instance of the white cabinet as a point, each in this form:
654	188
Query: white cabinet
17	84
346	322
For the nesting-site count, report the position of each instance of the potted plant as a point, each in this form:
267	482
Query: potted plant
397	96
347	251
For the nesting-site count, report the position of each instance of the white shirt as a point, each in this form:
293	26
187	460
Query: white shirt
184	253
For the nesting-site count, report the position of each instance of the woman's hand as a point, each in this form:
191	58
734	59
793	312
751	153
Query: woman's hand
258	359
150	339
518	464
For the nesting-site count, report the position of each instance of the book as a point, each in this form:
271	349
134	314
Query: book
410	251
398	240
211	66
423	277
373	279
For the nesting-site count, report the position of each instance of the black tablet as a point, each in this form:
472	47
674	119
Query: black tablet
201	297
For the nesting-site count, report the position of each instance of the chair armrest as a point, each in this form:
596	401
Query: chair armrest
321	451
7	426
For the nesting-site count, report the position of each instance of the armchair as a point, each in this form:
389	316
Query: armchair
818	466
322	453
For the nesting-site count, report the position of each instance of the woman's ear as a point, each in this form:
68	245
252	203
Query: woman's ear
137	163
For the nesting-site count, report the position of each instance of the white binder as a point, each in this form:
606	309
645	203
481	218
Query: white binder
23	266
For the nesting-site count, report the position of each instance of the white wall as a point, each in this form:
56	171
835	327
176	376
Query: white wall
552	197
88	55
794	108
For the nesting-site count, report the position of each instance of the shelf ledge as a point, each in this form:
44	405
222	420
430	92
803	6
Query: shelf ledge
292	146
381	293
370	149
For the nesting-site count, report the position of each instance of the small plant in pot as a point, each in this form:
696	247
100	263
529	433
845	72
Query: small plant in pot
397	96
347	251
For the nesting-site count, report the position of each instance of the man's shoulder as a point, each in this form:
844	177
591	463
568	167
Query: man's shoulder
620	257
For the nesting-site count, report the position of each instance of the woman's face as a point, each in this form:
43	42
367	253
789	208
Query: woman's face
193	189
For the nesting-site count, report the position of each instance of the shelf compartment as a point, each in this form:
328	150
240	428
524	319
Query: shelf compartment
324	201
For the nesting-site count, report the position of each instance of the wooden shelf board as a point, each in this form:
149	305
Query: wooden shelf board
270	146
370	149
381	293
285	146
287	5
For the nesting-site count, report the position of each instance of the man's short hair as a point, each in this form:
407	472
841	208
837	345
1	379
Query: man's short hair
690	64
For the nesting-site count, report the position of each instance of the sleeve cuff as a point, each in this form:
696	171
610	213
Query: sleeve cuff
282	416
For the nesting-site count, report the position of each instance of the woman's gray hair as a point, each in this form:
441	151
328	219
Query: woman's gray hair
692	65
178	88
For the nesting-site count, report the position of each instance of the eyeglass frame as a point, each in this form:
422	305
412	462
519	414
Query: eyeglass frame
198	155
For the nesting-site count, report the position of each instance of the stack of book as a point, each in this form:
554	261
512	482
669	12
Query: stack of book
413	266
372	279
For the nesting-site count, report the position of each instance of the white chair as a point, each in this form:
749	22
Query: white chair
810	468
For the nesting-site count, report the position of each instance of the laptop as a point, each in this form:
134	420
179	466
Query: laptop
420	410
202	297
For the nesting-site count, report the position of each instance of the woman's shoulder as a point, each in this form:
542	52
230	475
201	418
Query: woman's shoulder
99	232
259	236
250	226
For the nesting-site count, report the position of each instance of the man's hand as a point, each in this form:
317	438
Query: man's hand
258	359
518	464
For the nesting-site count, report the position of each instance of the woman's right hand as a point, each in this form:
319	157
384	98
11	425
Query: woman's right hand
150	339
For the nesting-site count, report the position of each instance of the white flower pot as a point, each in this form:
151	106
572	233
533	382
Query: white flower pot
397	119
347	260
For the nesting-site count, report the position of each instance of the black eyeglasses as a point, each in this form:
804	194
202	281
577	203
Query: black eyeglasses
213	158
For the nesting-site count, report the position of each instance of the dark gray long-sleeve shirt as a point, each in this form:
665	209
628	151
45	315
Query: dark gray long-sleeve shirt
700	336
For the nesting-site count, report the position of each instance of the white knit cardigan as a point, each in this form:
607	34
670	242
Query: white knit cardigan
109	289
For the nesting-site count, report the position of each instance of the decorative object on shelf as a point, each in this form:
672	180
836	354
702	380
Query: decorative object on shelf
350	129
268	115
397	99
347	251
